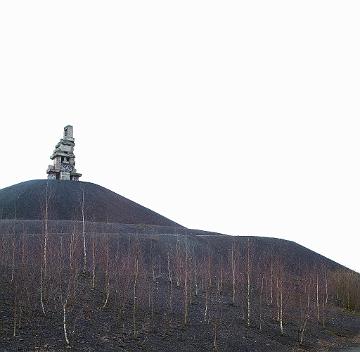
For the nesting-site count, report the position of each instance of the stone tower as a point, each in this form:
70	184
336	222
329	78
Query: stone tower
64	159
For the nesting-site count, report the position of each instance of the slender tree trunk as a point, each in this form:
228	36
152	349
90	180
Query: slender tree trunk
177	262
83	231
261	302
186	301
278	299
46	233
248	282
107	281
71	249
170	283
196	278
64	324
281	309
215	337
14	245
271	282
206	312
209	268
317	298
221	277
233	273
302	330
93	264
15	316
136	273
23	249
326	289
13	259
42	290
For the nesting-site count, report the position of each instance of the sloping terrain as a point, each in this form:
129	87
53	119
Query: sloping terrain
128	279
187	291
27	201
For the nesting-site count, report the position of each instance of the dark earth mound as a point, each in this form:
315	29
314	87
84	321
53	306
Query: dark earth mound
125	278
134	292
27	201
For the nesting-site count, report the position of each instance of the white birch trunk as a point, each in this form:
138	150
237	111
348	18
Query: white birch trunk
271	282
64	324
260	303
233	273
171	283
93	265
281	309
136	273
83	231
317	298
248	283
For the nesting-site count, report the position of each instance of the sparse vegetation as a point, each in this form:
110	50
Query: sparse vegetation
128	291
90	284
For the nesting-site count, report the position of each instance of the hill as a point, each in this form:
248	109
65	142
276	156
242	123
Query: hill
27	201
128	279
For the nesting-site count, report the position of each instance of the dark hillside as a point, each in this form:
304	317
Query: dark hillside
128	279
27	200
185	290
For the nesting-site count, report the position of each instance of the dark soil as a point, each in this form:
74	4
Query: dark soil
93	327
120	235
27	201
106	329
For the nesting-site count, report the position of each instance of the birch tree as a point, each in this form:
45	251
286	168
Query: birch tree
83	230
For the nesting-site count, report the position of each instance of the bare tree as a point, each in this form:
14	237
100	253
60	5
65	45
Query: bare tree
281	306
186	294
317	297
14	242
42	290
248	282
64	300
67	284
170	282
46	231
13	258
261	301
44	265
233	272
136	275
304	309
215	343
83	230
93	263
207	292
107	274
271	281
196	277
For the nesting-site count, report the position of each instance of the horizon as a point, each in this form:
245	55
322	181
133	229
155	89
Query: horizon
234	118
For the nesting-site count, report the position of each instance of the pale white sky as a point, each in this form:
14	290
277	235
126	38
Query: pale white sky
230	116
